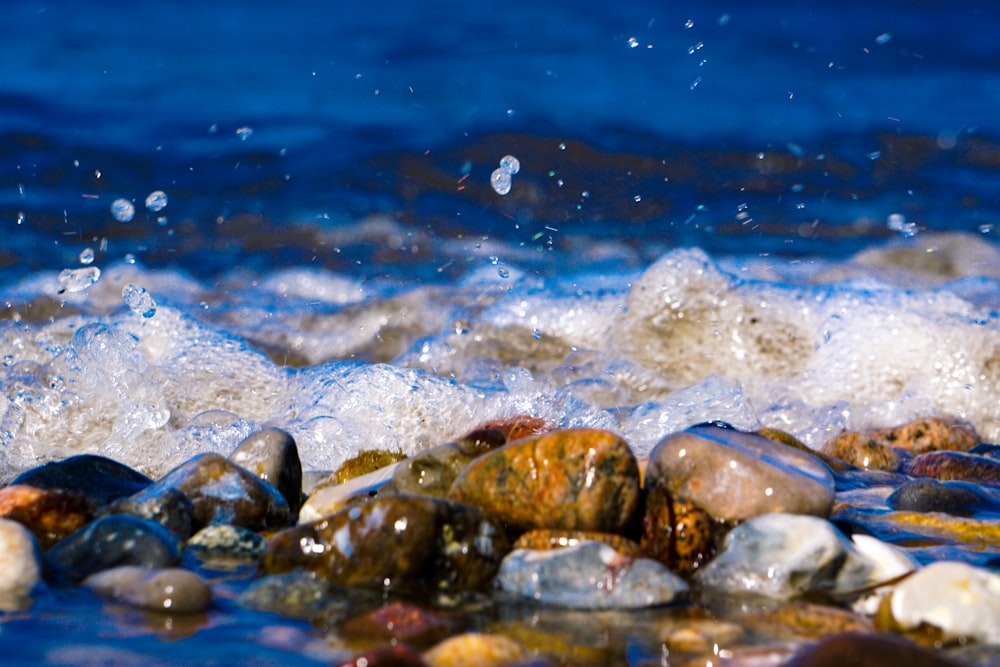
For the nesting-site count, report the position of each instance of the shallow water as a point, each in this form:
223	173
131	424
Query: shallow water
773	216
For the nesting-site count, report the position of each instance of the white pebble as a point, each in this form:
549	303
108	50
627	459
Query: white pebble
957	598
20	564
123	210
156	201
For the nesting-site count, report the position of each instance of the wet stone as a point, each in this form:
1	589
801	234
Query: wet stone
100	479
395	541
222	492
365	462
171	590
959	600
398	622
166	506
677	532
112	541
543	539
327	499
928	435
954	466
473	648
578	479
862	451
400	655
590	575
225	543
784	556
20	561
432	472
517	427
51	514
293	595
735	476
867	650
805	620
271	455
928	495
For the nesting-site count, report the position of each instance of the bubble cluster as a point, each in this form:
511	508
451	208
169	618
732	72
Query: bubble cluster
500	179
123	210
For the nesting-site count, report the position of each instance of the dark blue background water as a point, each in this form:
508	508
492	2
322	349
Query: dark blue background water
804	117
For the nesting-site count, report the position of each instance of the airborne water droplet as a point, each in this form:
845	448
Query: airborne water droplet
76	280
139	300
123	210
156	201
87	256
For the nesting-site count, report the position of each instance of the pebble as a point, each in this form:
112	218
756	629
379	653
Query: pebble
734	476
928	435
783	556
51	514
225	543
677	532
590	575
517	427
395	541
170	590
399	622
100	479
542	539
862	451
365	462
326	500
300	595
474	649
804	620
866	650
20	561
928	495
166	506
954	466
959	600
271	454
112	541
575	479
432	471
222	492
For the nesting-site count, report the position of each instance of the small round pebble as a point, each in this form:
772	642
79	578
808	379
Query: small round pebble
226	543
474	649
173	589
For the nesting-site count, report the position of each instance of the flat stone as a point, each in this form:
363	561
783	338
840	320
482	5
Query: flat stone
954	466
222	492
928	435
272	455
170	590
100	479
395	541
112	541
577	479
960	600
300	595
20	561
590	575
928	495
784	556
399	622
400	655
734	476
867	650
51	514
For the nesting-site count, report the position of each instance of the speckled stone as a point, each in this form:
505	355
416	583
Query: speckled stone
677	532
734	476
928	435
433	471
51	514
476	650
300	595
784	556
271	455
577	479
517	427
542	539
867	650
166	506
862	451
222	492
112	541
225	543
590	575
170	590
954	466
100	479
20	561
396	541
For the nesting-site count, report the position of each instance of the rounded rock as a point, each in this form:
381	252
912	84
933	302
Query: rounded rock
20	562
473	649
272	455
51	514
166	506
867	650
862	451
677	532
577	479
954	466
226	543
433	471
170	590
928	435
544	539
734	476
929	495
100	479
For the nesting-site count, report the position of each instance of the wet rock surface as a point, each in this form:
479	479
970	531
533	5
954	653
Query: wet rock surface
51	514
100	479
271	454
20	561
172	590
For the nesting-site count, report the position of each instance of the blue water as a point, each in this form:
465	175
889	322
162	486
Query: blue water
357	139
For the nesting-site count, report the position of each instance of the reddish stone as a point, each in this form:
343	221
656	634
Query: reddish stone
515	428
954	466
50	514
863	451
577	479
400	622
677	532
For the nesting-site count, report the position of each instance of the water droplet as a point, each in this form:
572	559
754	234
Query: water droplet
562	146
244	133
503	273
510	164
87	256
122	210
986	228
75	280
897	222
633	42
156	201
500	180
129	258
139	300
637	198
883	38
688	24
21	217
694	84
874	155
510	113
536	334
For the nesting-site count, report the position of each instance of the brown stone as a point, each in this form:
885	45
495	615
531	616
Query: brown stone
862	451
954	466
578	479
928	435
520	426
398	622
543	539
677	532
50	514
863	650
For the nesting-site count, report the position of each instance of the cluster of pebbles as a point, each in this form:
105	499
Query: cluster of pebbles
520	544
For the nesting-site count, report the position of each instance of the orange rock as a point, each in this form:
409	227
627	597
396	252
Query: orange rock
928	435
48	513
861	450
543	539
